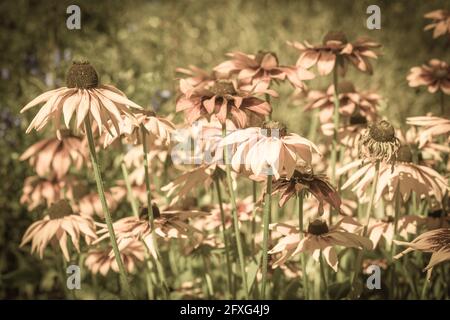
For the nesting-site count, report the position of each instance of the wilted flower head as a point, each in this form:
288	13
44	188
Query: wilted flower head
54	157
263	66
84	97
102	260
59	223
224	99
306	181
379	143
319	239
351	101
435	75
269	150
440	24
335	45
436	242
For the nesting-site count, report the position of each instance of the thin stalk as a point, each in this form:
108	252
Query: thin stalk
237	233
225	237
157	259
266	217
441	102
302	255
334	150
101	193
208	281
424	289
368	214
268	101
130	197
254	215
396	217
323	279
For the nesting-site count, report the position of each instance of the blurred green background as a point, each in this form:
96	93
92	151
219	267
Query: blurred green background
138	44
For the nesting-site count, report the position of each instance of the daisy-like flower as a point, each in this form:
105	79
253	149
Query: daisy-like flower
196	76
335	45
351	102
347	208
88	203
56	227
435	75
269	150
42	191
403	177
156	129
56	156
168	224
379	143
433	127
436	242
263	66
384	228
318	239
440	24
224	99
305	180
349	133
82	96
103	260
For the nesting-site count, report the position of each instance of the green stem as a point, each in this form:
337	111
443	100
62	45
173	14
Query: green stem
266	217
131	198
368	214
334	150
441	102
302	255
254	215
157	259
424	289
396	217
225	237
268	101
323	279
101	194
237	233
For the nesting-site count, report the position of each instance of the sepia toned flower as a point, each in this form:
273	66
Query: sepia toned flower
435	75
269	150
263	66
305	180
379	143
56	227
83	97
337	50
436	242
440	24
349	133
56	156
222	98
351	102
433	127
318	239
384	228
103	260
42	191
88	203
196	76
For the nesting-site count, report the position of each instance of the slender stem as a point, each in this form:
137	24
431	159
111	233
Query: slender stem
268	101
266	217
101	194
131	198
208	281
424	289
323	279
157	259
441	102
396	217
334	150
225	236
237	233
254	215
302	255
359	257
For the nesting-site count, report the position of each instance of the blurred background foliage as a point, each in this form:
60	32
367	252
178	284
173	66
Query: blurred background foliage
138	44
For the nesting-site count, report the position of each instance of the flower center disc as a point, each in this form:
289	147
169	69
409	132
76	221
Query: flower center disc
441	73
145	214
346	87
318	227
82	75
60	209
357	118
382	131
223	88
335	36
404	154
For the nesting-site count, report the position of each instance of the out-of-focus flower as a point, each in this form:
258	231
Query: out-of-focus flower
190	290
385	228
435	75
54	157
433	126
319	239
168	224
379	143
305	180
156	129
402	178
103	260
263	66
59	223
42	191
269	150
348	134
84	97
440	24
351	102
224	99
310	204
367	263
196	76
88	203
436	242
337	49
